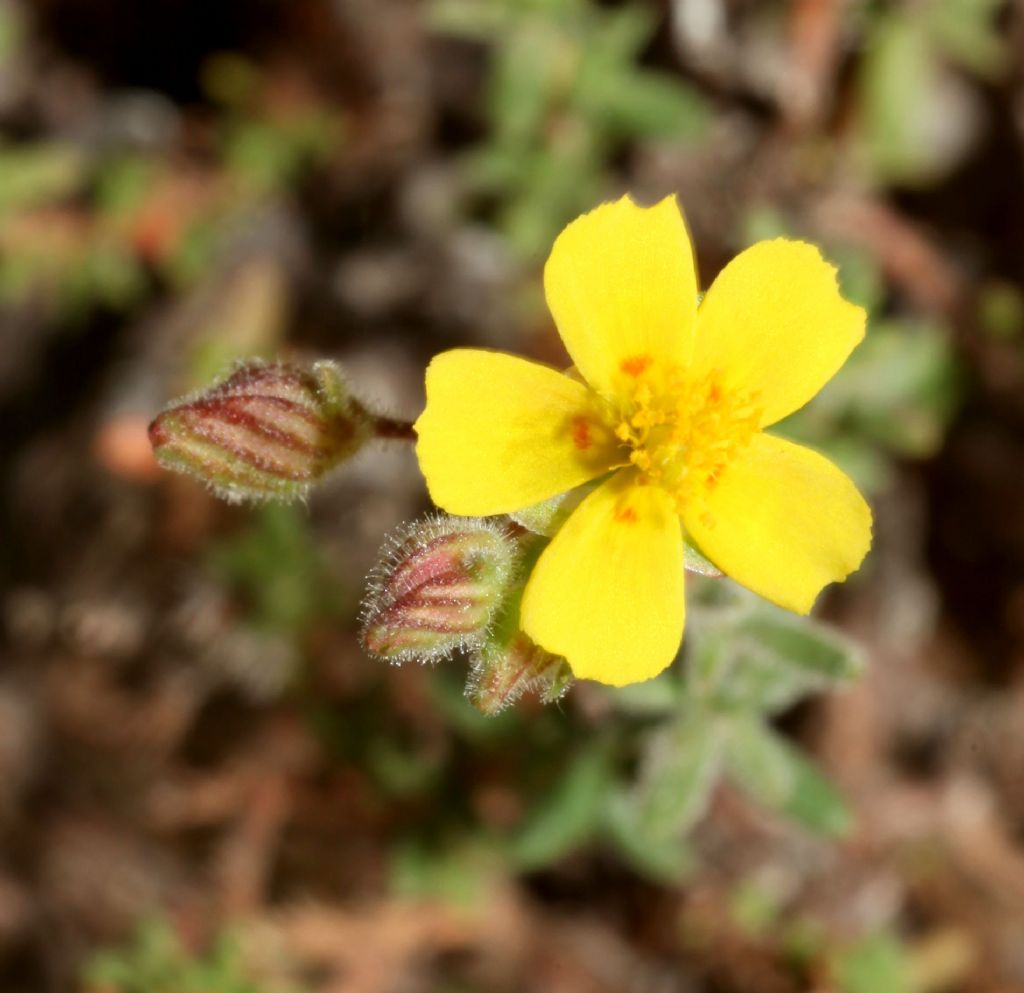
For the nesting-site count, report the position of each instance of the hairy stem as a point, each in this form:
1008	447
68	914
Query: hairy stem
391	428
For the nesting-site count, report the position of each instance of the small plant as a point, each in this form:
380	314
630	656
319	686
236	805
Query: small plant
91	229
564	92
917	116
155	961
667	444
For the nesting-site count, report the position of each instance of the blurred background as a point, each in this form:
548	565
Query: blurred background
205	786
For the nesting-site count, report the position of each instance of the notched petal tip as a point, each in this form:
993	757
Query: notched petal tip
774	322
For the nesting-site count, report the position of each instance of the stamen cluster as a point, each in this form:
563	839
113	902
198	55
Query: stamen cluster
683	432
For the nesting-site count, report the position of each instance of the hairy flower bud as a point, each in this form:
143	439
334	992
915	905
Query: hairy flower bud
504	670
437	588
265	432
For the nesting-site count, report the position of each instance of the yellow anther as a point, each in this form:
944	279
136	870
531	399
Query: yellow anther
682	437
646	418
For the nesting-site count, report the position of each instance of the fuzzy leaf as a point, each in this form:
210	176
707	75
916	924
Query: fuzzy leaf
678	771
778	775
751	656
570	814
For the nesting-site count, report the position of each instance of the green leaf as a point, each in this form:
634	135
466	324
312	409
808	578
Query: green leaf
679	768
814	802
448	698
777	774
468	18
522	84
1001	309
899	388
265	156
759	763
34	175
570	814
763	221
899	75
969	33
645	105
155	961
877	964
124	183
753	656
667	860
401	772
278	570
651	698
755	907
562	181
617	36
861	280
457	874
780	658
12	32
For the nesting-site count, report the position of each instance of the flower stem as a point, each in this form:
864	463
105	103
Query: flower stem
393	429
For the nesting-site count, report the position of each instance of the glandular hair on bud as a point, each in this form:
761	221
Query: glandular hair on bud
504	669
267	431
437	587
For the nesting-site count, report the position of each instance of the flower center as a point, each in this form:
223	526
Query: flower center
682	435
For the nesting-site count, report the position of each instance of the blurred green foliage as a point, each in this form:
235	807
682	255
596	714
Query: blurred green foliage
1001	310
155	961
636	787
894	398
876	964
914	111
98	228
745	662
11	32
37	174
277	569
566	90
568	94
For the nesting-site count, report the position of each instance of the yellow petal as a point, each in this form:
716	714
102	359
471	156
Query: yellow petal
607	593
782	521
500	433
621	286
774	323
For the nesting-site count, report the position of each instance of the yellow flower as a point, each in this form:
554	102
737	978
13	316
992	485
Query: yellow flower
669	400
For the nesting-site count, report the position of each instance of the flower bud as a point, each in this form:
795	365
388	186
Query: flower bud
437	588
503	671
265	432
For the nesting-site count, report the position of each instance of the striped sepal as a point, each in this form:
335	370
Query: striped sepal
437	588
503	670
265	432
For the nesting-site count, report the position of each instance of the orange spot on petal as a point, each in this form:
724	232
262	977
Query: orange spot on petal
626	515
581	433
635	364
